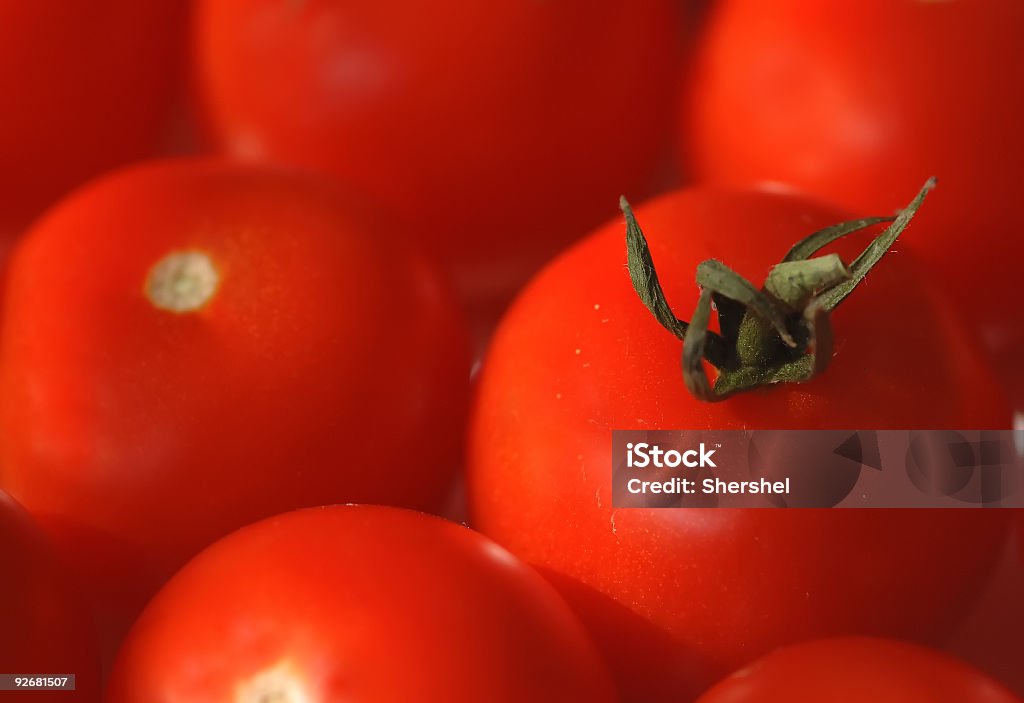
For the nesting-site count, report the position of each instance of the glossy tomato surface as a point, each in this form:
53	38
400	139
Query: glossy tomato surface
856	102
856	669
504	129
189	346
679	598
45	631
358	603
86	85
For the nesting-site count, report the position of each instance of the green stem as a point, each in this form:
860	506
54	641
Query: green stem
645	282
780	333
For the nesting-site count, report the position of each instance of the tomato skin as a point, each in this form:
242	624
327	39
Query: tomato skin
467	122
680	598
359	603
854	104
87	86
992	636
855	669
1020	532
331	364
45	629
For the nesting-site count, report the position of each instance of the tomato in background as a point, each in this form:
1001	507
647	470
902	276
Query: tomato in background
358	603
504	129
992	636
854	670
86	85
189	346
45	630
679	598
856	102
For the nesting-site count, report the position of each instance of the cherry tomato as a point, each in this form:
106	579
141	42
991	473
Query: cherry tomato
505	128
855	103
357	603
679	598
87	85
189	346
856	669
45	630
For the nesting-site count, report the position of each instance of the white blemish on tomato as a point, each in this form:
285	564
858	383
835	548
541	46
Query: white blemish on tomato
182	281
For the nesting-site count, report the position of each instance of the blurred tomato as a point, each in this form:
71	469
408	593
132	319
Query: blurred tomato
992	636
357	603
189	346
855	102
681	597
504	129
86	85
44	631
854	670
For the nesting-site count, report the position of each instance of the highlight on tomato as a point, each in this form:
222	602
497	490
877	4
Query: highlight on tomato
357	603
191	345
679	598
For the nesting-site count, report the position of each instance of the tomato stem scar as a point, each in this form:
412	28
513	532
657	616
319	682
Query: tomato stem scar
278	684
182	281
779	333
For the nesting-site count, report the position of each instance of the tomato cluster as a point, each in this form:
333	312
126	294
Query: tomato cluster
290	289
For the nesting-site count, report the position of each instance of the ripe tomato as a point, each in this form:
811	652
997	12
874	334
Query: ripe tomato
87	85
857	669
500	127
992	636
857	102
357	603
45	630
189	346
681	597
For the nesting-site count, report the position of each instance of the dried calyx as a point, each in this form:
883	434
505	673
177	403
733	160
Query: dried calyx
778	333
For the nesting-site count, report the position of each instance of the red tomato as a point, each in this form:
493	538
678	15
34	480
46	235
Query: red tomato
857	102
190	346
45	630
679	598
87	85
857	669
505	128
992	636
1020	520
357	603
